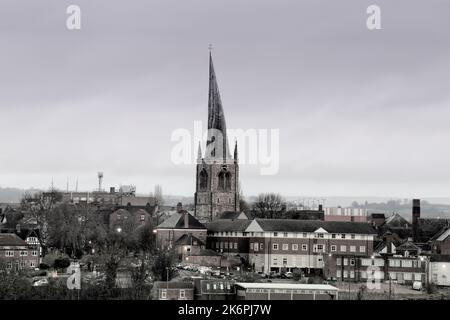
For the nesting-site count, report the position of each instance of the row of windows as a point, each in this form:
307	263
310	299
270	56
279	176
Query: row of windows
21	264
221	286
319	247
287	234
226	245
287	291
10	253
319	235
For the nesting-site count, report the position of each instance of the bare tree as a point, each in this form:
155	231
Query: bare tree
269	206
39	206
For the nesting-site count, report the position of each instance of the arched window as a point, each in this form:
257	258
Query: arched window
227	181
203	180
224	180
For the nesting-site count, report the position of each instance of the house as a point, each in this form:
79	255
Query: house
178	225
16	254
128	218
439	270
285	291
173	290
440	242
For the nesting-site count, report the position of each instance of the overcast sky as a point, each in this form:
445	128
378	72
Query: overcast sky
363	113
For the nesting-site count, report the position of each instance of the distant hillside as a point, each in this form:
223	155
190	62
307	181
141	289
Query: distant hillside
13	195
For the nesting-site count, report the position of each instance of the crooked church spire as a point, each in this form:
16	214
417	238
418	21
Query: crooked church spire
217	144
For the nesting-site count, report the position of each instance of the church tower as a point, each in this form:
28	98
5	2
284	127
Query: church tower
217	174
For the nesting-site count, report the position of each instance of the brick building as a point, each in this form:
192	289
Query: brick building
16	254
181	229
173	290
283	245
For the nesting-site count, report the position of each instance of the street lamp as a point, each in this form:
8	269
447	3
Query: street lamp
119	229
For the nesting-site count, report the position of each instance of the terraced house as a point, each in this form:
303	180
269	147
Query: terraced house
314	246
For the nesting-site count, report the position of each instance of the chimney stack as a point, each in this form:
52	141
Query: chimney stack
186	220
415	219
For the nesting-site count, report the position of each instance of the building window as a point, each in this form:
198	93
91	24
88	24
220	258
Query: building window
342	236
22	264
318	248
285	246
305	235
182	294
256	247
285	234
338	261
236	245
304	247
203	180
345	261
142	217
319	235
9	253
353	236
333	236
343	248
352	248
333	248
275	261
284	261
32	264
226	245
294	246
338	273
352	274
261	246
352	262
275	234
362	248
275	246
251	246
163	294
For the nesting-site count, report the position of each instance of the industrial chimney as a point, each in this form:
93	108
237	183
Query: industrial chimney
415	219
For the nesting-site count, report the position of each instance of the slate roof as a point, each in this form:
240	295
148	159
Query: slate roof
377	215
407	246
397	221
288	225
176	221
232	215
188	240
228	225
11	239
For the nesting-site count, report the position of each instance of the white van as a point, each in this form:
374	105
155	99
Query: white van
417	285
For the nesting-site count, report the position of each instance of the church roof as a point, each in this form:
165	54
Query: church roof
177	221
216	120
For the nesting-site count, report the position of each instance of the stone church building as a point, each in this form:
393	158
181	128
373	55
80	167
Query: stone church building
217	175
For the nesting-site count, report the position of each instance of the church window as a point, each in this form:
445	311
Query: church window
224	180
203	180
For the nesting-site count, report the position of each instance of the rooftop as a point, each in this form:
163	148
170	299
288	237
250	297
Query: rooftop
286	286
11	239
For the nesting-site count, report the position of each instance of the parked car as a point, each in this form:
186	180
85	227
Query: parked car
287	275
417	285
40	282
